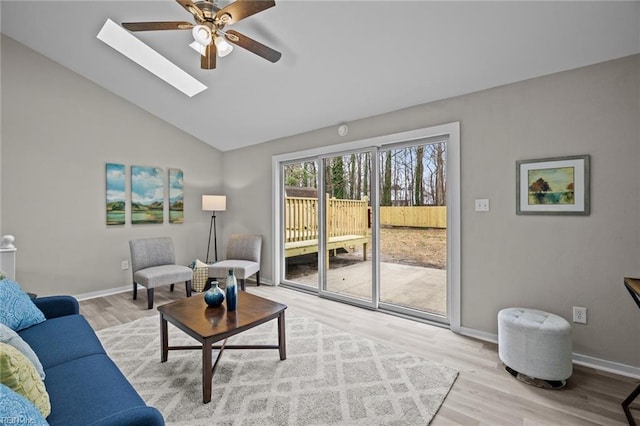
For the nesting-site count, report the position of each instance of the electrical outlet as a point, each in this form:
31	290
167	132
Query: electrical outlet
482	205
579	315
125	265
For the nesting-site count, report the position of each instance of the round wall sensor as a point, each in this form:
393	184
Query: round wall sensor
343	130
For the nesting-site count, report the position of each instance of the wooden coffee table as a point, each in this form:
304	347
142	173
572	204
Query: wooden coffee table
209	325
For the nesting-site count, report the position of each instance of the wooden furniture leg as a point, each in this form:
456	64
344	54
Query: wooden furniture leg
164	340
282	341
207	371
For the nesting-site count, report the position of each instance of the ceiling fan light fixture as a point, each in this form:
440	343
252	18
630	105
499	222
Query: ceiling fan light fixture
202	34
198	47
222	46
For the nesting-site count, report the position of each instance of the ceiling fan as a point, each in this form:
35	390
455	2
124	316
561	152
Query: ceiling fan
210	36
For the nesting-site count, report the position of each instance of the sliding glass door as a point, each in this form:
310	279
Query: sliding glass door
413	229
347	234
373	226
301	232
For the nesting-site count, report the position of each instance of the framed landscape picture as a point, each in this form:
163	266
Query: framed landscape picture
176	196
553	186
147	195
115	194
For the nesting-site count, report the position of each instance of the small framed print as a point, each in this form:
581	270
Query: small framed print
553	186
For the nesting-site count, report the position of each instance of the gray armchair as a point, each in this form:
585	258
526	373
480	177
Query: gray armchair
153	265
243	256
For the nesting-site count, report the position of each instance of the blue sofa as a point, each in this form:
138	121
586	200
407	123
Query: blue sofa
85	387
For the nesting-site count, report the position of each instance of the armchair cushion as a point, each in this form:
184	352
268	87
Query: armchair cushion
162	275
148	252
243	256
242	269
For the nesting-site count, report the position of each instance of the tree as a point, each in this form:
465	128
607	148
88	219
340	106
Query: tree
441	186
337	178
386	181
418	184
365	176
352	177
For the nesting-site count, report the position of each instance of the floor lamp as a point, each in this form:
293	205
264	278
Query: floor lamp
213	203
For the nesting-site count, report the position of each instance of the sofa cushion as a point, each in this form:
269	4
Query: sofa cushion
19	374
12	338
17	311
88	389
62	339
16	409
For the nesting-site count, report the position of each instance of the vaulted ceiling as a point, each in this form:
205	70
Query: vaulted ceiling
341	60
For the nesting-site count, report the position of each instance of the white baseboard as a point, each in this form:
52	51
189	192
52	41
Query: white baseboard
579	359
116	290
480	335
608	366
101	293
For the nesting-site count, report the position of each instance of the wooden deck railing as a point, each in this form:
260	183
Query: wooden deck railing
347	224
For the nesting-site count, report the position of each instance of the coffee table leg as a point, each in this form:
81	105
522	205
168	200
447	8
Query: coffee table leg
207	371
164	339
282	342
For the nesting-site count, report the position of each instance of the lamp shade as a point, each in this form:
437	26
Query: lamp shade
223	47
201	34
214	203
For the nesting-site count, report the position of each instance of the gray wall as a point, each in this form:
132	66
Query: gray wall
545	262
58	131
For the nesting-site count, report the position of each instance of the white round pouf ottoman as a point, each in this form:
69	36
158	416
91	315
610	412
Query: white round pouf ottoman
535	346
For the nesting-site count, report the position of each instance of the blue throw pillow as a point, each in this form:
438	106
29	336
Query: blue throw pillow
17	311
18	410
12	338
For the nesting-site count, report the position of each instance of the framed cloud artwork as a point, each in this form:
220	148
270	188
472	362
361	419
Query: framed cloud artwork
147	195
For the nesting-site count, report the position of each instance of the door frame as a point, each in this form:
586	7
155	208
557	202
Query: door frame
449	130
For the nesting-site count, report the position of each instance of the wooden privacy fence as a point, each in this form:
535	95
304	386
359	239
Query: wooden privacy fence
347	224
415	216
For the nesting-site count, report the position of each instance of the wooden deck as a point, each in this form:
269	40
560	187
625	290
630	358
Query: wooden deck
297	248
346	225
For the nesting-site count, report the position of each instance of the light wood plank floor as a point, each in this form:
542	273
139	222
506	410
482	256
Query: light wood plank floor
483	394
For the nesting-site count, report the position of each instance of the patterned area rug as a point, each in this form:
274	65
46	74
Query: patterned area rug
329	377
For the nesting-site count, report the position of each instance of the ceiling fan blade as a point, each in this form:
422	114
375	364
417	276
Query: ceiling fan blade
192	9
157	26
240	9
208	60
253	46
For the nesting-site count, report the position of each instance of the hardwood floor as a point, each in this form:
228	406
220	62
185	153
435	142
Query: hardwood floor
483	394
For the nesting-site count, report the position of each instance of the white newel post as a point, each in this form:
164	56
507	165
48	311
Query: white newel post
8	256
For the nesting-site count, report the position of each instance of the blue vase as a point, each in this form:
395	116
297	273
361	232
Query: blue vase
232	291
214	296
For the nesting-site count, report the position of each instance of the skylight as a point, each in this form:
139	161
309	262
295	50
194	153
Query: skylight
133	48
